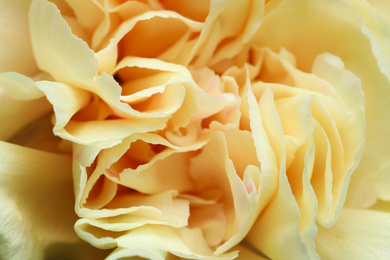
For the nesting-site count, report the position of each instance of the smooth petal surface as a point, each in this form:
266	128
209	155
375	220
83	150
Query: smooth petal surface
383	7
20	103
357	234
15	46
57	51
36	201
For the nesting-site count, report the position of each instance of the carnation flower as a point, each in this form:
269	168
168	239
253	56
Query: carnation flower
195	130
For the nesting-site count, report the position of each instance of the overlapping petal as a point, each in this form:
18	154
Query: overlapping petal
43	227
194	135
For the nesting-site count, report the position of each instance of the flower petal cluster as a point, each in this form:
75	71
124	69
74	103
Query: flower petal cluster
194	129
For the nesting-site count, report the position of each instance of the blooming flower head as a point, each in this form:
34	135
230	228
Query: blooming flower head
200	129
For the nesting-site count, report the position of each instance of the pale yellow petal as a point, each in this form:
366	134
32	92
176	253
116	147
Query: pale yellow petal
126	9
299	124
15	46
57	51
36	201
246	252
136	36
19	87
142	253
80	132
276	231
298	26
128	211
87	12
377	30
185	242
66	101
139	159
222	37
39	135
357	234
351	131
19	104
265	154
383	7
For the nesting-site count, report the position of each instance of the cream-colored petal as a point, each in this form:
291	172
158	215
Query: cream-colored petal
242	180
106	24
276	231
15	46
57	51
144	252
126	9
222	37
352	131
66	101
87	12
245	253
19	87
148	26
36	201
357	234
132	164
299	27
20	103
81	132
184	242
382	7
378	32
297	121
39	135
130	211
265	154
